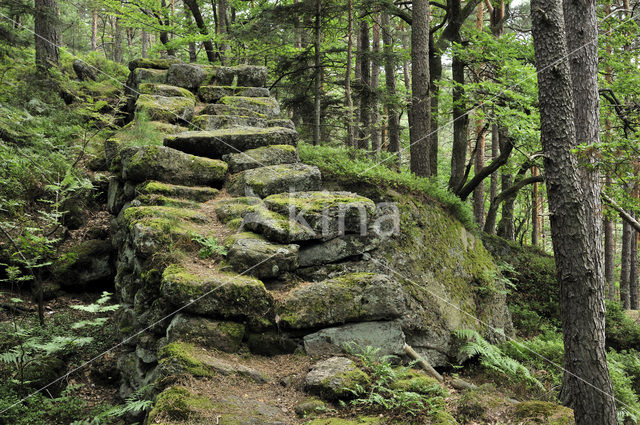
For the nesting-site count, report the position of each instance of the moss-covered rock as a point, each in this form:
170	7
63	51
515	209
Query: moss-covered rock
223	296
216	143
337	249
220	335
267	106
227	110
178	404
165	201
164	90
276	227
543	412
212	94
198	194
236	208
335	378
251	76
260	157
164	108
152	63
168	165
387	337
265	181
418	382
217	122
286	123
146	75
86	266
257	257
310	407
355	297
186	75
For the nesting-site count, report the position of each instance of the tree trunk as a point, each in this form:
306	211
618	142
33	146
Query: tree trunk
197	16
223	29
145	43
348	96
117	42
390	80
435	74
495	152
625	263
505	225
365	87
535	211
317	92
375	86
609	258
94	30
574	204
420	101
298	32
460	125
478	192
47	35
633	272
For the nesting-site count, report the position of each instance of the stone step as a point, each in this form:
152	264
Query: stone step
192	193
217	122
330	214
260	157
219	335
275	227
251	254
152	63
172	109
236	208
216	143
337	249
212	94
220	109
267	106
265	181
158	89
167	165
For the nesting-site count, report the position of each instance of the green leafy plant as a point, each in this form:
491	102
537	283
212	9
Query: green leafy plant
211	248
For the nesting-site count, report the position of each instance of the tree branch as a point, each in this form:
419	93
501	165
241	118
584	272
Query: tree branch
467	189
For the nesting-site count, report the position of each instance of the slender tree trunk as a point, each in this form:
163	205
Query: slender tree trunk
390	80
195	12
357	73
117	42
94	30
633	272
317	105
406	76
478	192
420	101
375	85
460	125
435	74
348	96
365	87
495	152
47	35
144	43
625	265
574	201
223	29
298	32
506	226
535	210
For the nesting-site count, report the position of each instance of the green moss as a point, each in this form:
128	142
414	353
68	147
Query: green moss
350	381
134	214
317	202
165	108
152	63
164	90
418	382
442	417
361	420
178	404
543	412
164	201
186	356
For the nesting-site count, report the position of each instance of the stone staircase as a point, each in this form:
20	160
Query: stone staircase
227	175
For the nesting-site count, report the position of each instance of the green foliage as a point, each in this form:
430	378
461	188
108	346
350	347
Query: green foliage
385	393
622	333
39	409
354	165
492	358
211	248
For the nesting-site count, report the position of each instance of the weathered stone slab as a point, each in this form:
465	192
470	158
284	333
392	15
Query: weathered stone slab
333	378
220	109
260	157
152	63
337	249
164	108
267	106
164	90
217	122
234	208
185	75
253	255
193	193
251	76
265	181
219	335
212	94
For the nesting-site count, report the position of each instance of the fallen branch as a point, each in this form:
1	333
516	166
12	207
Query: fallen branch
625	215
422	362
13	307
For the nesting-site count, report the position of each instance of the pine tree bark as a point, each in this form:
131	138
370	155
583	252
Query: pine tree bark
94	30
317	105
223	29
47	35
348	96
435	74
420	101
144	43
535	210
625	265
633	272
202	26
365	86
574	204
375	85
117	42
390	80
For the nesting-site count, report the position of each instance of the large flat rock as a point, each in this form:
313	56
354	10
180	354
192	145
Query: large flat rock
220	109
267	106
265	181
275	227
255	256
212	94
168	165
354	297
216	143
260	157
218	122
172	109
337	249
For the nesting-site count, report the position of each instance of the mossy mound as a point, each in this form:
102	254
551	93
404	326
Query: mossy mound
216	143
543	412
336	378
217	122
265	181
137	214
146	75
152	63
415	381
171	109
168	165
266	106
165	201
354	297
197	194
178	404
165	90
227	296
260	157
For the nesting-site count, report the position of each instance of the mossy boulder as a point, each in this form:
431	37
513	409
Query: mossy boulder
543	412
309	408
219	335
217	122
164	108
330	214
146	75
267	106
387	337
169	165
260	157
227	296
181	358
178	404
152	63
216	143
251	76
418	382
276	227
337	249
197	194
236	208
212	94
258	257
165	201
227	110
286	123
186	75
335	378
86	266
265	181
356	297
164	90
